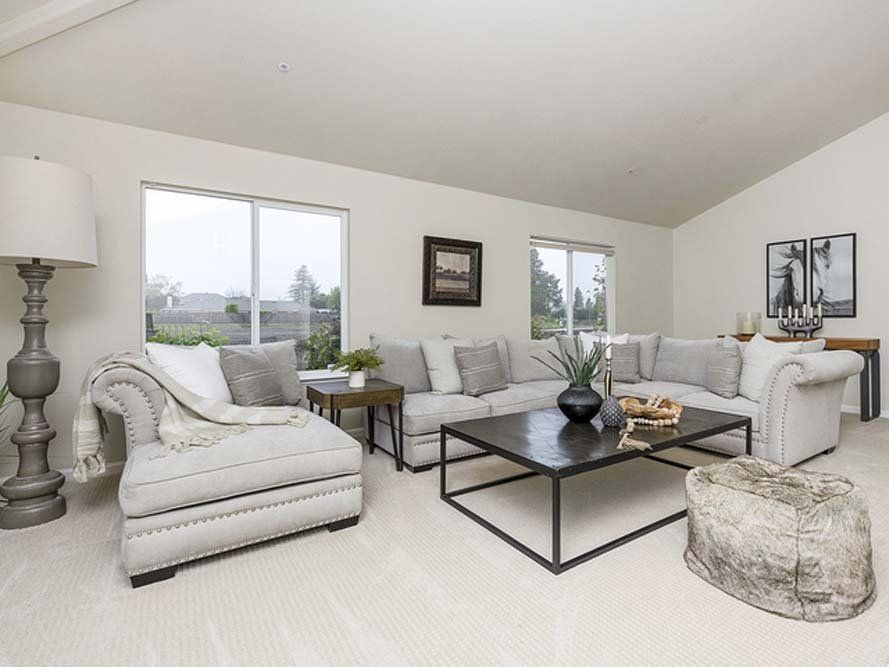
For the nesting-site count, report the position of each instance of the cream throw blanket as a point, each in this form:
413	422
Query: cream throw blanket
188	420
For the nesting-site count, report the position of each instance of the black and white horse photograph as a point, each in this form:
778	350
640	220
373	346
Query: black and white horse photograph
833	274
785	276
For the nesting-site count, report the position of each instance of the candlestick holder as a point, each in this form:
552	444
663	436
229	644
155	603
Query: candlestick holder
800	325
608	382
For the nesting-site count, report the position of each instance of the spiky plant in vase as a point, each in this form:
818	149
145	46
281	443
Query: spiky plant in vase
580	403
357	362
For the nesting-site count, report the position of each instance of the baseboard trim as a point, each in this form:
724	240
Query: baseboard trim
856	410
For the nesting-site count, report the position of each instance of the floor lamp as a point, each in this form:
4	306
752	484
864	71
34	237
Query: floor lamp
46	220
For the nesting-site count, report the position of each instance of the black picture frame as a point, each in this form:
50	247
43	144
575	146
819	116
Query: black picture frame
776	265
445	270
847	308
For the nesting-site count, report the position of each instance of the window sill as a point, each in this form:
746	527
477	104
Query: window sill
322	375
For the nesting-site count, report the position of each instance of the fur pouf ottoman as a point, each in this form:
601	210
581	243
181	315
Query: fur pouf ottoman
793	542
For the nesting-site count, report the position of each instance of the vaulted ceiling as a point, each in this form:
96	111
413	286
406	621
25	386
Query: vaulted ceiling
652	111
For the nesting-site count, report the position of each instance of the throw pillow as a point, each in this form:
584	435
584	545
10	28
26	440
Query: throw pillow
501	350
625	362
444	376
403	363
251	377
195	368
261	375
480	369
724	368
683	361
524	368
647	352
760	356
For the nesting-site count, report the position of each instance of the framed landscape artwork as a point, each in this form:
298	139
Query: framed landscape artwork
452	272
833	273
785	275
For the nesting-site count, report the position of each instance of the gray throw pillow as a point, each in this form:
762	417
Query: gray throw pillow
647	352
403	363
481	370
261	375
724	368
683	361
625	363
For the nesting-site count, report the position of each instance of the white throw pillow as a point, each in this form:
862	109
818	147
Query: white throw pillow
444	376
195	368
760	355
588	340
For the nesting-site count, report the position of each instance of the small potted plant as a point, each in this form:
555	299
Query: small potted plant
356	362
580	403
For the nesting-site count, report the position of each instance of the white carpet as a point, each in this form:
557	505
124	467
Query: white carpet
418	583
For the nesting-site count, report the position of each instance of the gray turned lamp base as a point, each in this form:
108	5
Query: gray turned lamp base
33	374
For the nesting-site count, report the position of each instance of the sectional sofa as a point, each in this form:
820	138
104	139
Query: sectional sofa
796	418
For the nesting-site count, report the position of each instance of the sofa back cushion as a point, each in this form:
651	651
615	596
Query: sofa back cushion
262	375
480	369
403	363
444	376
684	361
502	350
724	368
523	367
648	345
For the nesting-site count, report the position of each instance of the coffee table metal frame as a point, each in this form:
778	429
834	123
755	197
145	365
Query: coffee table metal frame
555	564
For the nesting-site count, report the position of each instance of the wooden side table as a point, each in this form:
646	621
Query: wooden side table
337	395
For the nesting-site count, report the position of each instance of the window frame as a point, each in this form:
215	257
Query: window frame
570	247
256	203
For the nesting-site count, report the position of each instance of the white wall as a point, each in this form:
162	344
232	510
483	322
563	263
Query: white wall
97	311
719	256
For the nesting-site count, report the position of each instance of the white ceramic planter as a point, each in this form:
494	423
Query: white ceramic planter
357	379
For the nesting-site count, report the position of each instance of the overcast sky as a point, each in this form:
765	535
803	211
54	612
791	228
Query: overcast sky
204	242
585	264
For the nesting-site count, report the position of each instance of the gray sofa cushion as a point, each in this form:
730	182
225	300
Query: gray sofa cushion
480	369
648	345
683	361
724	368
523	367
625	363
736	406
675	390
404	363
261	458
263	374
520	398
425	413
502	350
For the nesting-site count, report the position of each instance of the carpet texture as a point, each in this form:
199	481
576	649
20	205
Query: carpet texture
418	583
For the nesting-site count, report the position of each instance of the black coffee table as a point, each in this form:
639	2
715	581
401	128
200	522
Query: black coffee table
548	444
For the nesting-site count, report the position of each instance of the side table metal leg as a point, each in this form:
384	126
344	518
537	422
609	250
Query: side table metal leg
312	407
338	417
370	428
876	401
443	475
864	386
399	461
748	437
557	526
394	436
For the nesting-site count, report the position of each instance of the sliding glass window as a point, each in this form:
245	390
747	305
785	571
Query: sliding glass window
235	270
570	287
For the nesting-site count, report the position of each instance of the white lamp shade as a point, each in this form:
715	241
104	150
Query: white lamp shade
46	212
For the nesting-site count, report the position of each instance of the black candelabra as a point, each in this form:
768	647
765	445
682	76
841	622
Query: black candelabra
800	323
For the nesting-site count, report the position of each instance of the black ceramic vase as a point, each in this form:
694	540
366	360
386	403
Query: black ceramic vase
579	404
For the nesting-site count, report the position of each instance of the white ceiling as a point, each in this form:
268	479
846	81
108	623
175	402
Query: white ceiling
10	9
653	110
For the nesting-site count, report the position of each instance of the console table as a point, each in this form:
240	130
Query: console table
868	381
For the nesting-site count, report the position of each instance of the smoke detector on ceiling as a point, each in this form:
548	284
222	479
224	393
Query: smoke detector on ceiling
283	67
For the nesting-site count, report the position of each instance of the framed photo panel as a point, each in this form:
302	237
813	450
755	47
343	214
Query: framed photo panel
833	274
785	275
452	272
